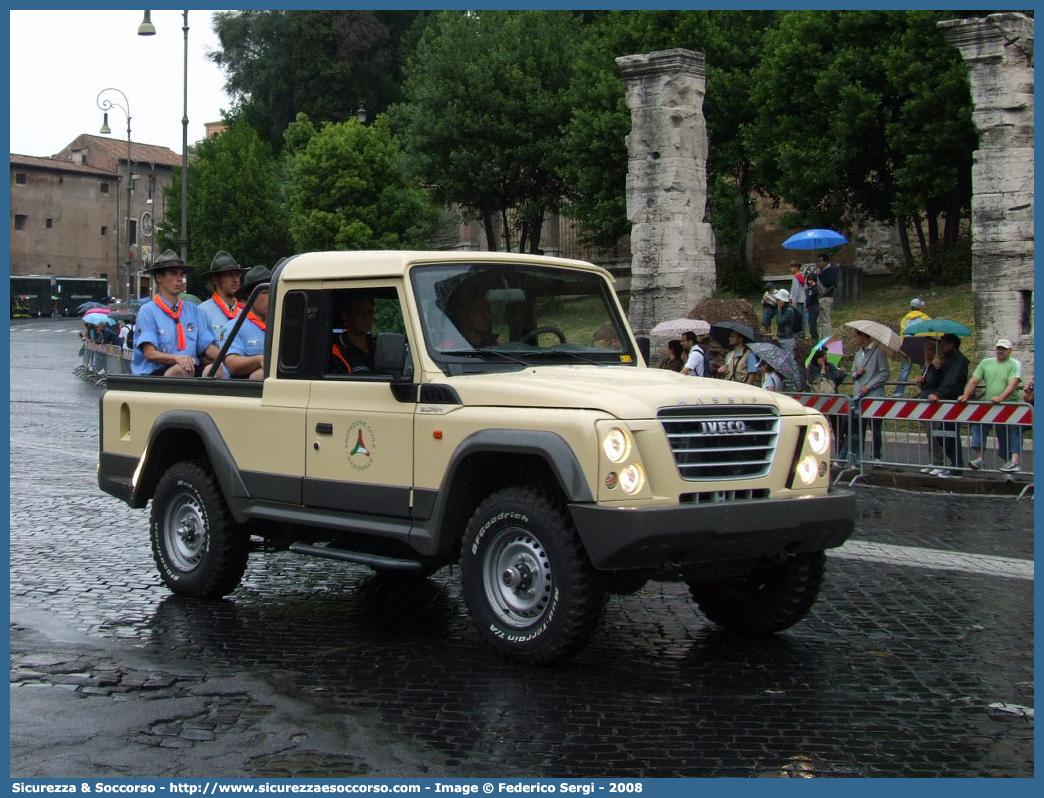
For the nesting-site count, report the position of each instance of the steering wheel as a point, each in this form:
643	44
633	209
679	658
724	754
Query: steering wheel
531	336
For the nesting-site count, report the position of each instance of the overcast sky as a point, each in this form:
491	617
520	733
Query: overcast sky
61	60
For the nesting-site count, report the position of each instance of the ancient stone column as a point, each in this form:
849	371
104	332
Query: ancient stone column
998	52
672	267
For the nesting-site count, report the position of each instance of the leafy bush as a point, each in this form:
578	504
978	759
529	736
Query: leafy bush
734	278
939	267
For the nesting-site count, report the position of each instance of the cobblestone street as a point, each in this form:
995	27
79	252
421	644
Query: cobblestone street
917	660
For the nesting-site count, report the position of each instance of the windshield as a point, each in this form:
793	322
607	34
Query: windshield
482	316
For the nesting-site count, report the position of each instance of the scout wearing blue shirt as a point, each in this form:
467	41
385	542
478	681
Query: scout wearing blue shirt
222	308
246	354
170	336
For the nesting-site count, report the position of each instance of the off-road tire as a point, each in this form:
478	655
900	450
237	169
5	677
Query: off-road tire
527	583
766	601
199	549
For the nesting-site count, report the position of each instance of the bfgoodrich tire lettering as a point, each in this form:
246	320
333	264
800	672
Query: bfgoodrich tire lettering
198	548
765	601
528	585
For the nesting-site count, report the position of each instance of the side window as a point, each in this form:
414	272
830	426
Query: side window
291	338
358	316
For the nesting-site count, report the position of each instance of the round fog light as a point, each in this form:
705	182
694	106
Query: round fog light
611	480
632	479
807	469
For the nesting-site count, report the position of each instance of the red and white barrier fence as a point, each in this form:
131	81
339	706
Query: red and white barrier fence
967	412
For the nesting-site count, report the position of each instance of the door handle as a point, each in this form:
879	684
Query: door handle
323	429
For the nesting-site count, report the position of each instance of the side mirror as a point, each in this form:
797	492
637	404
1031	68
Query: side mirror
643	347
389	355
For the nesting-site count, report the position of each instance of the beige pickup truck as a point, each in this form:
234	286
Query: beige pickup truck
504	420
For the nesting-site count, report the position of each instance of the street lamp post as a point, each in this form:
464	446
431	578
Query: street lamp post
105	105
146	28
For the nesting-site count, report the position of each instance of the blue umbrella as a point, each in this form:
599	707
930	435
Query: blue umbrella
815	239
936	326
87	306
95	318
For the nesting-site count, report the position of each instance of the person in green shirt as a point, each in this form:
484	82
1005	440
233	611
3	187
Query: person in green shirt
1001	376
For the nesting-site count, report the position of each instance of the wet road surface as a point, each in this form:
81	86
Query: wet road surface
917	660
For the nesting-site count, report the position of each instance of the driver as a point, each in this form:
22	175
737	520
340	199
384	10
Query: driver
475	321
352	352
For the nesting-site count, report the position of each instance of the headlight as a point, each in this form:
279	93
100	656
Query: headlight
807	469
632	479
819	438
616	445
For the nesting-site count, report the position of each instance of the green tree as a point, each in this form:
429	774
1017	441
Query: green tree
596	166
233	202
865	114
486	99
321	63
347	188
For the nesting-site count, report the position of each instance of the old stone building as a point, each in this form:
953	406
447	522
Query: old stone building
998	52
64	216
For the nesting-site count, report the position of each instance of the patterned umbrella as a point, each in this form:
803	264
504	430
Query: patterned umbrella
884	335
676	328
781	361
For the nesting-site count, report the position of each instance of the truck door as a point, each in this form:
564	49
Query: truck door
359	438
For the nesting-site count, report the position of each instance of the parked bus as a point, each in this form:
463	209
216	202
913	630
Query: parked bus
74	291
31	295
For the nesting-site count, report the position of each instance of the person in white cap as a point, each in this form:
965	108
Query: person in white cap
915	314
1001	376
787	323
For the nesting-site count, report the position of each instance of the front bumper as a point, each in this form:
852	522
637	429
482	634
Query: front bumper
676	539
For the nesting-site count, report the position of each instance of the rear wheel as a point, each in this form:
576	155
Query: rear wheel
766	601
527	582
197	546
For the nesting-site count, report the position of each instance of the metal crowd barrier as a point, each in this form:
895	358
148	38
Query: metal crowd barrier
100	360
919	434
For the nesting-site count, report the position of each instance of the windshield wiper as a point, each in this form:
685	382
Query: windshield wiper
565	352
483	352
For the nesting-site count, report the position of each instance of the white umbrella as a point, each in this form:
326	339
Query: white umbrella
879	332
675	328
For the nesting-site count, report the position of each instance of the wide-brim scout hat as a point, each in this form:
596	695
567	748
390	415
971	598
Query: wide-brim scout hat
168	260
259	274
223	263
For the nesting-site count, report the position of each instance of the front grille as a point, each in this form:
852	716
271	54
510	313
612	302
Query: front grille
719	442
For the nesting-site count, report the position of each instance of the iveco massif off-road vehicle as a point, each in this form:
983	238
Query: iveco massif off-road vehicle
508	424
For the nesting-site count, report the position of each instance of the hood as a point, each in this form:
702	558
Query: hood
621	391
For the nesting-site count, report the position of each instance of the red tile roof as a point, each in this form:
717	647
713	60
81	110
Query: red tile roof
57	163
117	148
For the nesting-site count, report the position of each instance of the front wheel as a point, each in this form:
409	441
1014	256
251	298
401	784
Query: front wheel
766	601
527	583
197	546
